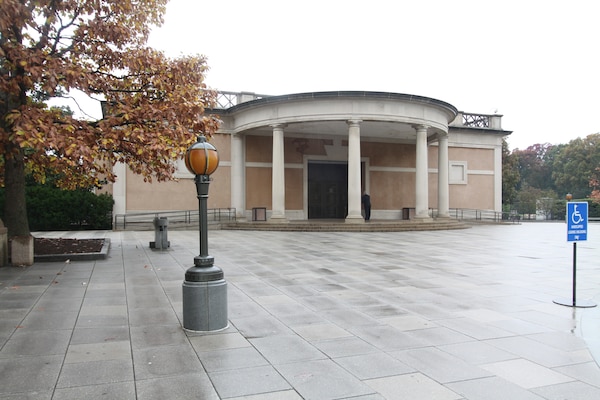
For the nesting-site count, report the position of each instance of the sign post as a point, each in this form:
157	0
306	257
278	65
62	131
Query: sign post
577	227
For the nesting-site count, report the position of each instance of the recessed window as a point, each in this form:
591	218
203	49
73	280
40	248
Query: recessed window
458	173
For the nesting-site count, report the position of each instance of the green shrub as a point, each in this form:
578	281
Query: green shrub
593	208
49	208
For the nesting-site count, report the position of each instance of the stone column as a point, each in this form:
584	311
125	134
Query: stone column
443	188
120	189
278	180
354	211
238	177
422	175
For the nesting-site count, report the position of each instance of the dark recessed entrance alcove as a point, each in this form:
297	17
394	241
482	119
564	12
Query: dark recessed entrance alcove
327	190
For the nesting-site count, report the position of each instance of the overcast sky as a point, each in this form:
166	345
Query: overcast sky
535	62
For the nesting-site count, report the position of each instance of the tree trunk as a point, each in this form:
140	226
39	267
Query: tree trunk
15	209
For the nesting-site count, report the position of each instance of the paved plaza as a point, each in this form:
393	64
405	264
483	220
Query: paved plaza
460	314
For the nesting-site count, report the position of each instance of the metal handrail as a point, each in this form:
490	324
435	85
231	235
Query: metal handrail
185	217
483	215
215	215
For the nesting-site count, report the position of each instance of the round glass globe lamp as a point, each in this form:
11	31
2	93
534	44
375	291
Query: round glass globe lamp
201	158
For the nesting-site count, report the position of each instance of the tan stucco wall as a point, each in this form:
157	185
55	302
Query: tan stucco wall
180	194
294	189
219	194
295	148
176	195
481	159
392	190
389	190
259	149
258	188
433	190
143	196
222	143
389	154
478	194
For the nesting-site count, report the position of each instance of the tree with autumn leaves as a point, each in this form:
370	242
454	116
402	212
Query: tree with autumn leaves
153	105
552	171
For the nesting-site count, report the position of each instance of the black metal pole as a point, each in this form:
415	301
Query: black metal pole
202	182
574	273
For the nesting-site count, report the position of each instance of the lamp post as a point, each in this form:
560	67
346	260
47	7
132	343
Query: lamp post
204	287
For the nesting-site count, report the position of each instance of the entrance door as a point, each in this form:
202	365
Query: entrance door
327	190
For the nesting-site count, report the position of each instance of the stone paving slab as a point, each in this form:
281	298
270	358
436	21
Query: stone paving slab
459	314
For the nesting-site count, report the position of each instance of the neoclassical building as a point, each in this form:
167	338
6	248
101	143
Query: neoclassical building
312	155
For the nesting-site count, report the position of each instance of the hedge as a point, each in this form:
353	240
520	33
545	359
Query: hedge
50	209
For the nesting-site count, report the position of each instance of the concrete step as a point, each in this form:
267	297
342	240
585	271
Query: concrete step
342	226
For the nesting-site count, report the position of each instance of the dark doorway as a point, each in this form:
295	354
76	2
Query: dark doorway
327	190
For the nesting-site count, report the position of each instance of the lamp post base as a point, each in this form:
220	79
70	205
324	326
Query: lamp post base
573	303
204	299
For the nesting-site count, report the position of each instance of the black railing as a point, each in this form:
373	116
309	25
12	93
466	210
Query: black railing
176	218
227	100
466	214
476	120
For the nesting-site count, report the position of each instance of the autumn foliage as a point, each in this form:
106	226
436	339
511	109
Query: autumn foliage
153	105
595	185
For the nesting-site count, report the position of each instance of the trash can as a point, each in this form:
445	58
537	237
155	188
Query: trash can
406	213
161	240
259	214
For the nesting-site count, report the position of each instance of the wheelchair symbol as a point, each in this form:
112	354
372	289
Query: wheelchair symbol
576	216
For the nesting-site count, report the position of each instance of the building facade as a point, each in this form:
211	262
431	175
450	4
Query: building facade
313	155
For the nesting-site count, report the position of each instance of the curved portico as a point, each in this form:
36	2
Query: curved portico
345	120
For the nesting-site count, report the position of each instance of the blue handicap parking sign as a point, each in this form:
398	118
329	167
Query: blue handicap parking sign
577	221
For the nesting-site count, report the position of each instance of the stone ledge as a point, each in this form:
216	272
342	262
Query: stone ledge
341	226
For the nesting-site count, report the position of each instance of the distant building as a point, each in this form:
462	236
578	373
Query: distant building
312	155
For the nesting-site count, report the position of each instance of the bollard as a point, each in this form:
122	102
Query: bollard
161	240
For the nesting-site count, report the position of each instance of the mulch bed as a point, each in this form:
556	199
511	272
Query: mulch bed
51	246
